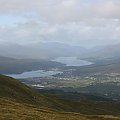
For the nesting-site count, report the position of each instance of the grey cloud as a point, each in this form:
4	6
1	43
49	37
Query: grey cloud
82	33
60	11
81	22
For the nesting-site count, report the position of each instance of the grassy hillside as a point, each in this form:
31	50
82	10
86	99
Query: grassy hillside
17	101
13	89
11	110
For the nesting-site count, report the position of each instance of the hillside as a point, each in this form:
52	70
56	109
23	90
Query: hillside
13	66
16	111
17	101
107	67
13	89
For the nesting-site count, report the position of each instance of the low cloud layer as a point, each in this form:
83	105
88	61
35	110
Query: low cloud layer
79	22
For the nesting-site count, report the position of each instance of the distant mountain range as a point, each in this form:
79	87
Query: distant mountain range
40	50
111	52
37	56
52	50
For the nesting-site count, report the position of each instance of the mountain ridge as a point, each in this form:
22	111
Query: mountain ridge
48	50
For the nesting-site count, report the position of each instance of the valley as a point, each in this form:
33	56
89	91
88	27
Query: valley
76	87
81	77
59	59
95	85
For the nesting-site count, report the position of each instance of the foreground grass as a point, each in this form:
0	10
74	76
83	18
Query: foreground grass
12	110
19	102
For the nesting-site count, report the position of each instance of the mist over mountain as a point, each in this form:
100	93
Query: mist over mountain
40	50
51	50
109	52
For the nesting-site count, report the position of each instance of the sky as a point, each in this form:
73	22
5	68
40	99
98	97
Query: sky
77	22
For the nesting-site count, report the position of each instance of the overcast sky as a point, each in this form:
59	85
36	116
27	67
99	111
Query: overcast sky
78	22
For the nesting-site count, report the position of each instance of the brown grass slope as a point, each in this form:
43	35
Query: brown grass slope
12	110
19	102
